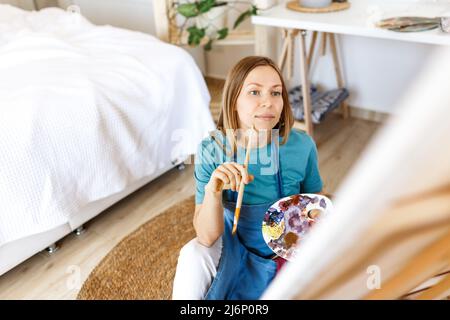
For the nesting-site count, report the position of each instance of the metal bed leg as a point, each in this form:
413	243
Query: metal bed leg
80	230
181	166
52	248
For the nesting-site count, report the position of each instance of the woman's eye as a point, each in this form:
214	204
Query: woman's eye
257	92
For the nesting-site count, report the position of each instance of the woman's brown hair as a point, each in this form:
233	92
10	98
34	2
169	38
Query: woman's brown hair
228	118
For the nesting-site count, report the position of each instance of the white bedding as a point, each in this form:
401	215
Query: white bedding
85	111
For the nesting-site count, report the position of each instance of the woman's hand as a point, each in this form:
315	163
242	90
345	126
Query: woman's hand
228	175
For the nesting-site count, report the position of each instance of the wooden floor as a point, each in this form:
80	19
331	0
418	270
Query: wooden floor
340	142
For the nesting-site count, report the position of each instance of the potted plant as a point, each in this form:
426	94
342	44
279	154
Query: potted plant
203	20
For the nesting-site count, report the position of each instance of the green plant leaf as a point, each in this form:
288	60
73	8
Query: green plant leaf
222	33
208	46
205	5
195	35
220	3
188	10
242	17
254	10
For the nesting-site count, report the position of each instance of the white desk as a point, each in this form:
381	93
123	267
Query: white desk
357	20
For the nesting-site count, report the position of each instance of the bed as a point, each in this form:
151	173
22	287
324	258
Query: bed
88	114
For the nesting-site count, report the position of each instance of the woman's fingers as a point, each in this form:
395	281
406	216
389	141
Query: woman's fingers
240	172
243	172
226	169
222	177
231	174
233	167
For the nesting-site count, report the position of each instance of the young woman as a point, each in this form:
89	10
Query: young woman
283	162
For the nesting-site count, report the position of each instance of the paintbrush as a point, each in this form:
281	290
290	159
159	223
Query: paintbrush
237	212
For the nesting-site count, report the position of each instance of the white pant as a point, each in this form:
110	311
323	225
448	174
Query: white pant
196	268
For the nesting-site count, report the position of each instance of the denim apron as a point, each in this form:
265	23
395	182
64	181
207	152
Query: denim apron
246	266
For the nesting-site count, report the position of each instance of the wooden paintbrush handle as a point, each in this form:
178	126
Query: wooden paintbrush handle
237	212
241	186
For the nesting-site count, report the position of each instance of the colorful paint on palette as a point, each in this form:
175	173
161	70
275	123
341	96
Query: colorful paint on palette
288	221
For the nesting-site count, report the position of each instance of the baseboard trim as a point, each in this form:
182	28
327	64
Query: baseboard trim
365	114
358	113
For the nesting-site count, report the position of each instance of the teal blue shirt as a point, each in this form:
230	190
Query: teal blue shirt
298	160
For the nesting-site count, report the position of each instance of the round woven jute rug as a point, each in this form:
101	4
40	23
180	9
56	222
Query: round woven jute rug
142	265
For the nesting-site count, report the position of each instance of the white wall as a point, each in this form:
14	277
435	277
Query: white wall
29	4
131	14
24	4
377	72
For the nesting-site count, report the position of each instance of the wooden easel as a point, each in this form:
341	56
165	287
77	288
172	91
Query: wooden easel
410	230
389	237
287	57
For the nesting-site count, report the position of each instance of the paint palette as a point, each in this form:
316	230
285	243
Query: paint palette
289	219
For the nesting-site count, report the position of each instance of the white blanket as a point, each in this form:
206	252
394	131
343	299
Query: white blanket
85	111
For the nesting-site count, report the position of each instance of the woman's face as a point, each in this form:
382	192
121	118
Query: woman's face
260	101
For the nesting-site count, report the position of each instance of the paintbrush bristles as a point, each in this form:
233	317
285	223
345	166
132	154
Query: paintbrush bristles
242	184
